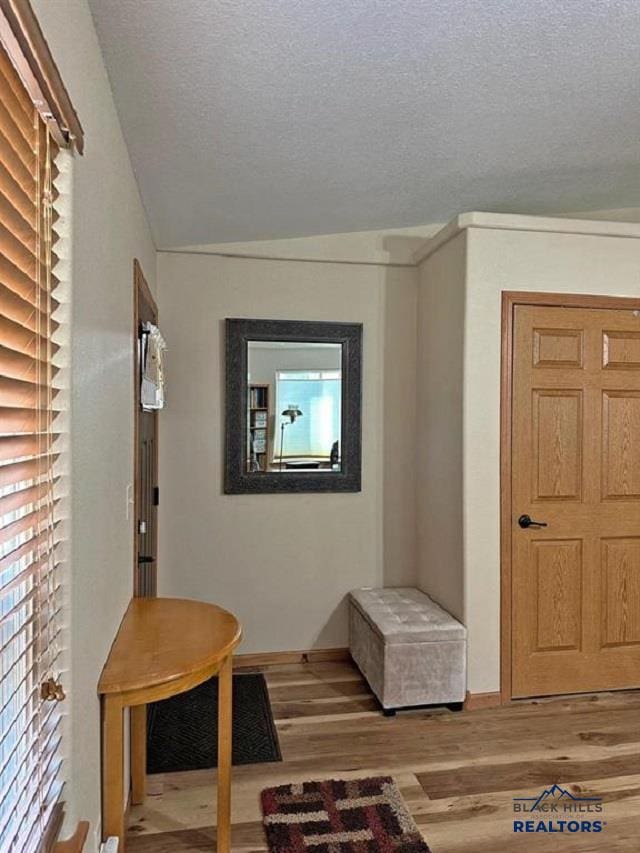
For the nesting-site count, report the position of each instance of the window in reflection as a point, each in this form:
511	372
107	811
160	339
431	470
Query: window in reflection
311	399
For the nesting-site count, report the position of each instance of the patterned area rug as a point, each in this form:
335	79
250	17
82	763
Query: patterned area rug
182	732
358	816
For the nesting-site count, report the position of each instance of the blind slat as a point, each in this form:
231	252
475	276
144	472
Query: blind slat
23	310
16	392
22	497
30	827
7	563
14	419
22	122
14	278
28	758
19	689
21	287
23	340
19	633
15	166
23	147
19	741
20	256
15	87
16	223
17	365
50	806
15	198
10	584
23	602
30	521
15	501
19	472
15	446
24	471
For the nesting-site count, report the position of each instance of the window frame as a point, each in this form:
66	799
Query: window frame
279	405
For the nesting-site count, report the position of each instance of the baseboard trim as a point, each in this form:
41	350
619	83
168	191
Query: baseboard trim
477	701
267	659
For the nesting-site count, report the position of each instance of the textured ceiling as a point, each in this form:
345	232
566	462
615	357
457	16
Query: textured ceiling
258	119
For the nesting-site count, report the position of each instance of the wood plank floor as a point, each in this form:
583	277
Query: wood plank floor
457	772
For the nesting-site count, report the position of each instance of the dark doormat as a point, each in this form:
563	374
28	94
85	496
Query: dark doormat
182	732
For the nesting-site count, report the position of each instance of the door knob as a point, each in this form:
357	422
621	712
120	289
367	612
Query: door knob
527	521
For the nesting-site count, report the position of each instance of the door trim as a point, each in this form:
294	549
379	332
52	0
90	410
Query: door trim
140	290
510	299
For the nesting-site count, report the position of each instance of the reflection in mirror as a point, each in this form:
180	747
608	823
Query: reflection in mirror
294	401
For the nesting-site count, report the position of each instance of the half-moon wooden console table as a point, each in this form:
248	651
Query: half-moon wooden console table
164	646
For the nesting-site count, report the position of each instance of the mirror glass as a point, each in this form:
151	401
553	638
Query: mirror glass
294	407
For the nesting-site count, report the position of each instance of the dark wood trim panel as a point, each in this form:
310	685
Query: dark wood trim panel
509	301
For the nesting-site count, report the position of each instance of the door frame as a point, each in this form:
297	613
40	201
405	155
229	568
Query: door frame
510	299
141	290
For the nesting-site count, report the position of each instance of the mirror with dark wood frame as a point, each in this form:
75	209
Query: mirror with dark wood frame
293	406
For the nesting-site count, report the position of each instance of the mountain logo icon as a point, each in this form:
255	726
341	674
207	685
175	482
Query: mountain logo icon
558	793
555	793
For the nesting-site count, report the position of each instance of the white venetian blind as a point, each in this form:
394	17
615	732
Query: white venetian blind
29	610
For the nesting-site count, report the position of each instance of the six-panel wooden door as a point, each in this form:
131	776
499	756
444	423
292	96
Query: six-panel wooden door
576	468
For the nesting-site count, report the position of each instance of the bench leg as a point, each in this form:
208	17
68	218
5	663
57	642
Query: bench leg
389	712
455	706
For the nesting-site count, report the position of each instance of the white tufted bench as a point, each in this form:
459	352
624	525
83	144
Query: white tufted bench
410	650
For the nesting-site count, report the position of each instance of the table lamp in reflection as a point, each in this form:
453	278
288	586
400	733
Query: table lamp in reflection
292	413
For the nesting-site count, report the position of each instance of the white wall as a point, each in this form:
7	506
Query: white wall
390	246
284	562
398	321
109	229
512	260
441	309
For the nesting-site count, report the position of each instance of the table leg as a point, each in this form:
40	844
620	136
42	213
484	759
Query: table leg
138	753
224	756
113	769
